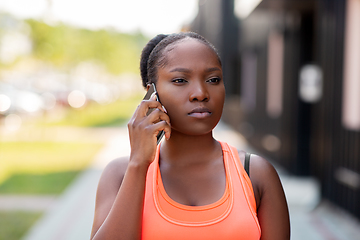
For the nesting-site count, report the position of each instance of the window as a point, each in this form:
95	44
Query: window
351	78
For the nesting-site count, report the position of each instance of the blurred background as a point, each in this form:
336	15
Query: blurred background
69	82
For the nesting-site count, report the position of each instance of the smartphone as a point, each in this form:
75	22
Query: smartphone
152	90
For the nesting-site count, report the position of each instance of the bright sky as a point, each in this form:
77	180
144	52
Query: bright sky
150	16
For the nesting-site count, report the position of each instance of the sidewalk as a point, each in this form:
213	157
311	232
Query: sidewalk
71	216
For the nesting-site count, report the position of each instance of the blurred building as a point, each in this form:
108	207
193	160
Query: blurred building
292	75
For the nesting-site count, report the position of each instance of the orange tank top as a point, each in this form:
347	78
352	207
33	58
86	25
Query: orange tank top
231	217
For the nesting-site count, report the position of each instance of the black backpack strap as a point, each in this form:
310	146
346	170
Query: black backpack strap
247	163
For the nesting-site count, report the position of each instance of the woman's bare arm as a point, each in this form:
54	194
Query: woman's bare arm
108	187
119	202
272	209
121	190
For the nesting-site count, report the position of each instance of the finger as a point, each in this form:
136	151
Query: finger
145	105
162	126
158	115
153	96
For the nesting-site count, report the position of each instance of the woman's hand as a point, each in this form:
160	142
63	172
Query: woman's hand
143	130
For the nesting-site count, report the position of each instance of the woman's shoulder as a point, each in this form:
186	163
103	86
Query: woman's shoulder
117	164
259	166
262	174
114	172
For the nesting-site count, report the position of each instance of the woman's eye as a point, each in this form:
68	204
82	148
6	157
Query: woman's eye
179	80
214	80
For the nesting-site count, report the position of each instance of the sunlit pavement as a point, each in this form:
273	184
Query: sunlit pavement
71	216
27	203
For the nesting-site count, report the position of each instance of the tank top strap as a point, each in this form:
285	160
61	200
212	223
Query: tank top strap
243	176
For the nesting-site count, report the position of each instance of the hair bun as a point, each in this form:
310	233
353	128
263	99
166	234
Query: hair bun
145	56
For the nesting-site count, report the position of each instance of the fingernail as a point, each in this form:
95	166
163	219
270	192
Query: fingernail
164	109
153	96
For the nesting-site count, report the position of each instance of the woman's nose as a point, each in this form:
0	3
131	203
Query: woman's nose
199	93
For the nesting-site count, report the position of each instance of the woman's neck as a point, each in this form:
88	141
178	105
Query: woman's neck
190	149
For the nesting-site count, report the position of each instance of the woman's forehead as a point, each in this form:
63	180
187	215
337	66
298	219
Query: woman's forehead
190	49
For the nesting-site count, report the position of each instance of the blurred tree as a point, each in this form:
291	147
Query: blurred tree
65	46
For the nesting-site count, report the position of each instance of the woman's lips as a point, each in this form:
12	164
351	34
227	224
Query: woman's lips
200	112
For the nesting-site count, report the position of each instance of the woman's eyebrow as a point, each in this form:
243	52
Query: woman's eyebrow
186	70
213	69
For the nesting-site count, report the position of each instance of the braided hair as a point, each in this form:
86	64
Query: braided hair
153	55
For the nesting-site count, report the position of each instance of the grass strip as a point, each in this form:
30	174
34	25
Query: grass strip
14	224
50	183
45	157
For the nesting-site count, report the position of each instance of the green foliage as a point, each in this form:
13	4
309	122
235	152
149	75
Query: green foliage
50	183
65	46
13	225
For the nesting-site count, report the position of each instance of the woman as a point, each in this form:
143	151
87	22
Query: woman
190	186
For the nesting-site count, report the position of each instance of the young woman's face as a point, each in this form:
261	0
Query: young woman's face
191	87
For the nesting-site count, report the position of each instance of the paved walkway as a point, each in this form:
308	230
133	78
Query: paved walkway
26	203
70	218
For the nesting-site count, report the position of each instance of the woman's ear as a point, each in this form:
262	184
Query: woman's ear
148	86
